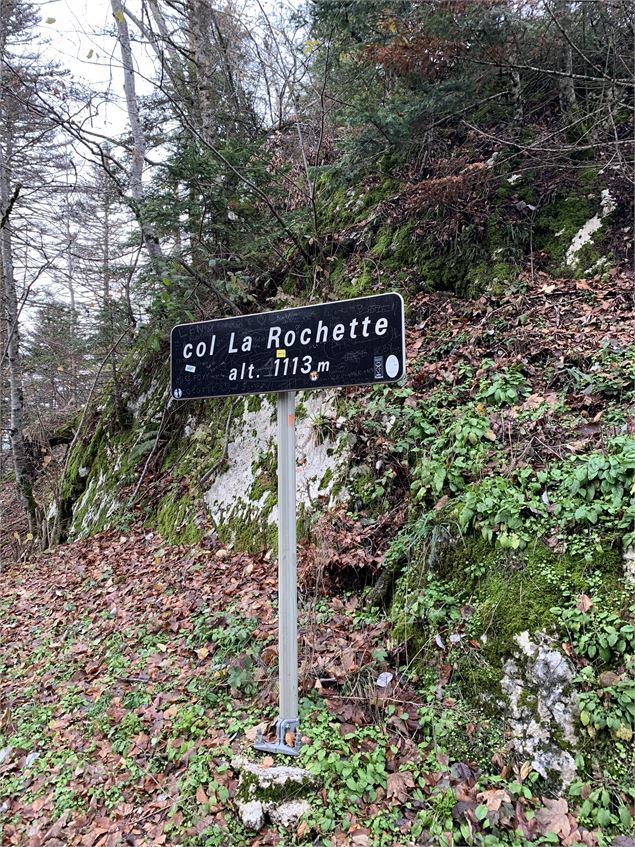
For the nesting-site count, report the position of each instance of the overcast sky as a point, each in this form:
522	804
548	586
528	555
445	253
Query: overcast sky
77	35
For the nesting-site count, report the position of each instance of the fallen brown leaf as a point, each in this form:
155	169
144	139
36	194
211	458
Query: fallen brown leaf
553	817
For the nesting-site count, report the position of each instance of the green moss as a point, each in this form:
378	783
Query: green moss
301	412
512	597
360	284
64	433
83	456
253	403
175	519
368	199
248	528
451	267
403	245
383	241
265	470
558	222
84	467
326	479
333	209
142	447
590	259
254	788
514	592
336	489
398	250
588	178
206	444
114	455
523	189
337	272
341	204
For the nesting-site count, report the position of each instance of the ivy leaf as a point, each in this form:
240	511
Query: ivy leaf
626	819
481	812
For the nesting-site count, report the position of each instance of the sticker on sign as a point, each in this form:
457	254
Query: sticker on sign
348	342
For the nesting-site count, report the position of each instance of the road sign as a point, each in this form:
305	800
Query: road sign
348	342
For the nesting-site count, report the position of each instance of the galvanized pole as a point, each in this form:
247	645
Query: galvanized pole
288	721
287	559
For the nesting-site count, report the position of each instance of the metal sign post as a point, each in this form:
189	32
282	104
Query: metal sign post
349	342
287	734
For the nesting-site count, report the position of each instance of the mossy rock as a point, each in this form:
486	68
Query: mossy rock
64	433
271	785
558	222
248	528
265	470
175	519
464	585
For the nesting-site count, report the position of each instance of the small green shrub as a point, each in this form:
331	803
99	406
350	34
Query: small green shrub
610	708
599	633
504	388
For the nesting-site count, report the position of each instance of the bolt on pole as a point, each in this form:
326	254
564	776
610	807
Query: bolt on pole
288	721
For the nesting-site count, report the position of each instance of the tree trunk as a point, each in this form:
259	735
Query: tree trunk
568	99
199	14
70	271
150	241
22	465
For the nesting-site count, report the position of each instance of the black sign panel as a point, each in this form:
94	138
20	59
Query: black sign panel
350	342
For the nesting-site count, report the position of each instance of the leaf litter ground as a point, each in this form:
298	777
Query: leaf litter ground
132	671
113	683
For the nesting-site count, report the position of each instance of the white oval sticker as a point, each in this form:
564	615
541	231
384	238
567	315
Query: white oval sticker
392	366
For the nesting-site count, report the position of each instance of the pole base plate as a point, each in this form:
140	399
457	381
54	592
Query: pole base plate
283	726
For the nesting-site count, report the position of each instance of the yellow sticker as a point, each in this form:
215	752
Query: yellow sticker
281	354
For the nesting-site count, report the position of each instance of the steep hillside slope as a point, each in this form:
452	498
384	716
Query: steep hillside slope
468	533
468	228
466	538
489	515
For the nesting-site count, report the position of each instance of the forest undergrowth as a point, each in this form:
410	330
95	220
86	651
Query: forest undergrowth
134	669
